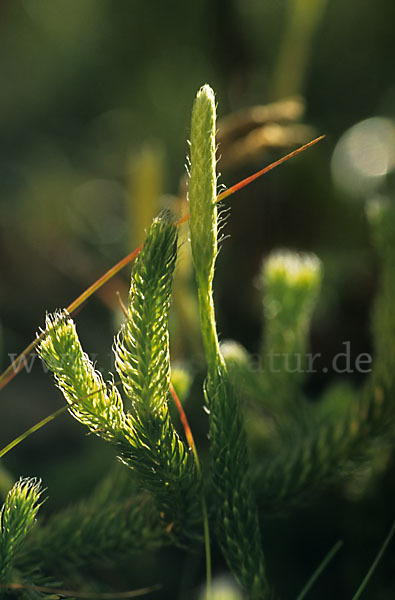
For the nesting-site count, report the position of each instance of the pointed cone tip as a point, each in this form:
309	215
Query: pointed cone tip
206	90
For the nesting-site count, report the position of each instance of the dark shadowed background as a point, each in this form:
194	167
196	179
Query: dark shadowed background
95	103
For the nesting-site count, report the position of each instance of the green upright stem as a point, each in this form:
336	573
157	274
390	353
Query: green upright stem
236	514
209	332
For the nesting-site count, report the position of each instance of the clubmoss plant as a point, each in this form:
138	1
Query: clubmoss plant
237	519
270	447
144	436
17	517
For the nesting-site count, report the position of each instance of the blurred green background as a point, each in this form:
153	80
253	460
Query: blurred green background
95	103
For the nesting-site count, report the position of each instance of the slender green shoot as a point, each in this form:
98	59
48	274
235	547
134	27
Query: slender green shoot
236	513
376	561
321	567
40	424
16	441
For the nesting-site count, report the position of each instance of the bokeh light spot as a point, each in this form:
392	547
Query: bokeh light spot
363	156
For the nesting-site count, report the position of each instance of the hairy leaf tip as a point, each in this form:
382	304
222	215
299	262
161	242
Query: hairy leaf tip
203	184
